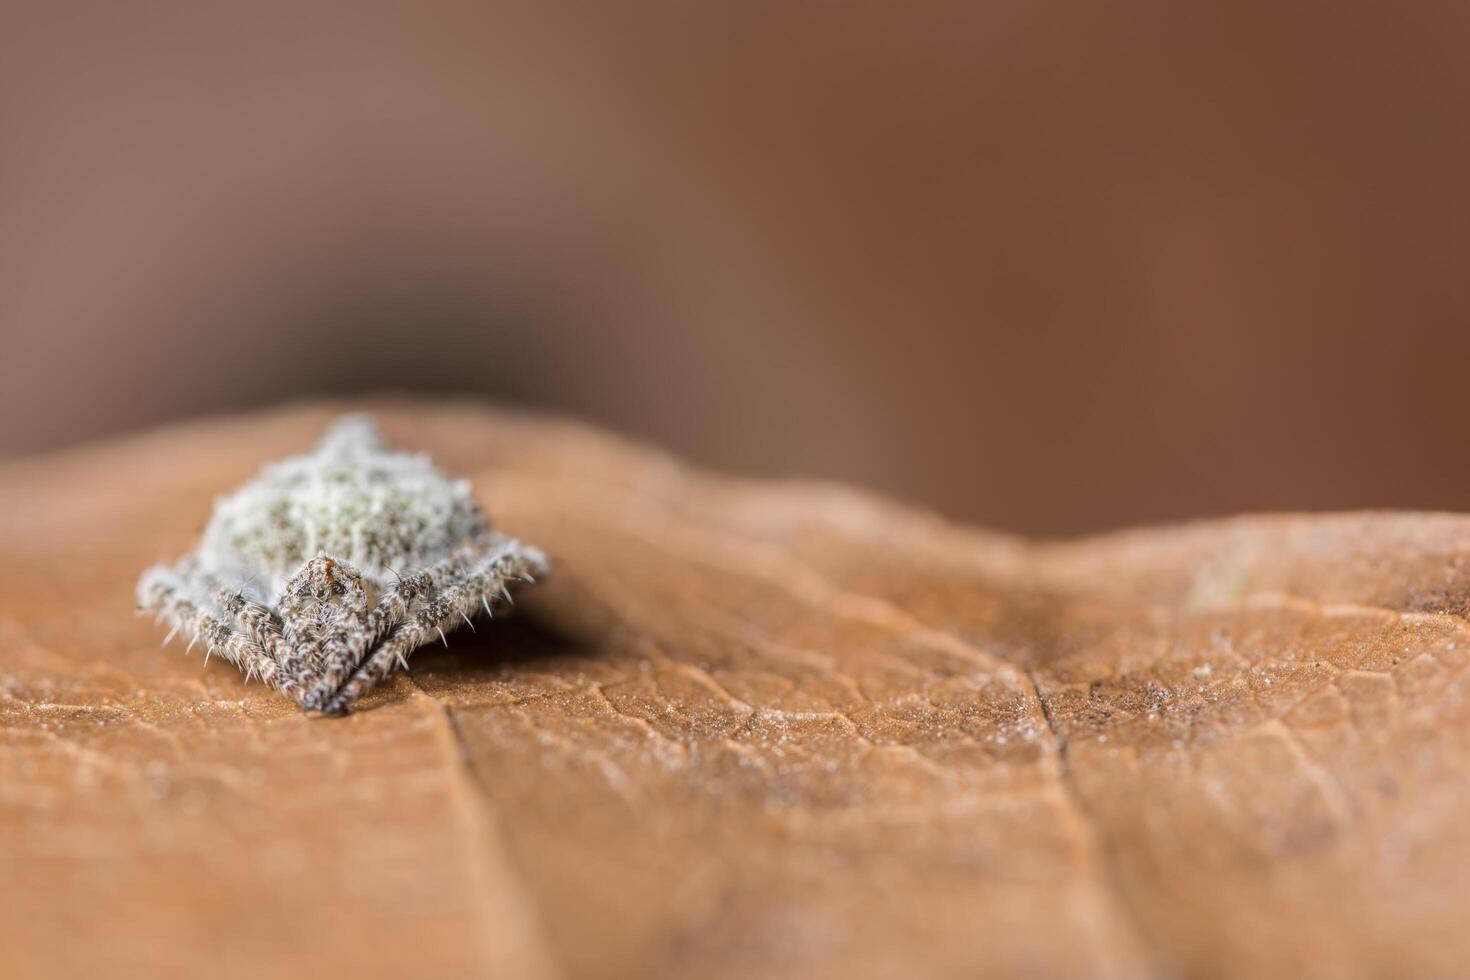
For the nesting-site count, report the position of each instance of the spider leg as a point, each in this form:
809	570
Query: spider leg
338	655
458	597
492	548
299	659
251	617
387	618
168	593
395	605
392	652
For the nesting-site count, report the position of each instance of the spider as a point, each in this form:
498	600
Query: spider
368	554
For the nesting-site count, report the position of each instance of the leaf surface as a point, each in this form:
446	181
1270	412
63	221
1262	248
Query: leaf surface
746	729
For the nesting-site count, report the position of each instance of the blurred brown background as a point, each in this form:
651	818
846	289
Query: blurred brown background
1050	267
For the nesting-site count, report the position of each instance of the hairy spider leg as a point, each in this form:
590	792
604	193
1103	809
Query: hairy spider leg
344	643
407	597
342	658
300	660
163	590
481	585
398	602
259	620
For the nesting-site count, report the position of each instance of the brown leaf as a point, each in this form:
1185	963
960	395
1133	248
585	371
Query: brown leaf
746	729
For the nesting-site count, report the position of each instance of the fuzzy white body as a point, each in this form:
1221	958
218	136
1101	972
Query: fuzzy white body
325	571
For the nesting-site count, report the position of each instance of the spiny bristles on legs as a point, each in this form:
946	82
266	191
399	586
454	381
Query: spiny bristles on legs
454	602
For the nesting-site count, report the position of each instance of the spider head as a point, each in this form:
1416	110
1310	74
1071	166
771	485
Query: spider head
325	596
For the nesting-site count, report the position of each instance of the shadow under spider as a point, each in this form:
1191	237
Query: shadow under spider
496	649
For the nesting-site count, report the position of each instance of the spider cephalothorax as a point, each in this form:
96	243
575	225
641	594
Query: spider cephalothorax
328	569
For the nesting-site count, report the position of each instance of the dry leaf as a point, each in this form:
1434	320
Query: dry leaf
746	730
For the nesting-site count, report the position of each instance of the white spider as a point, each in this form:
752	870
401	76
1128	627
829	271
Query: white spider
327	534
